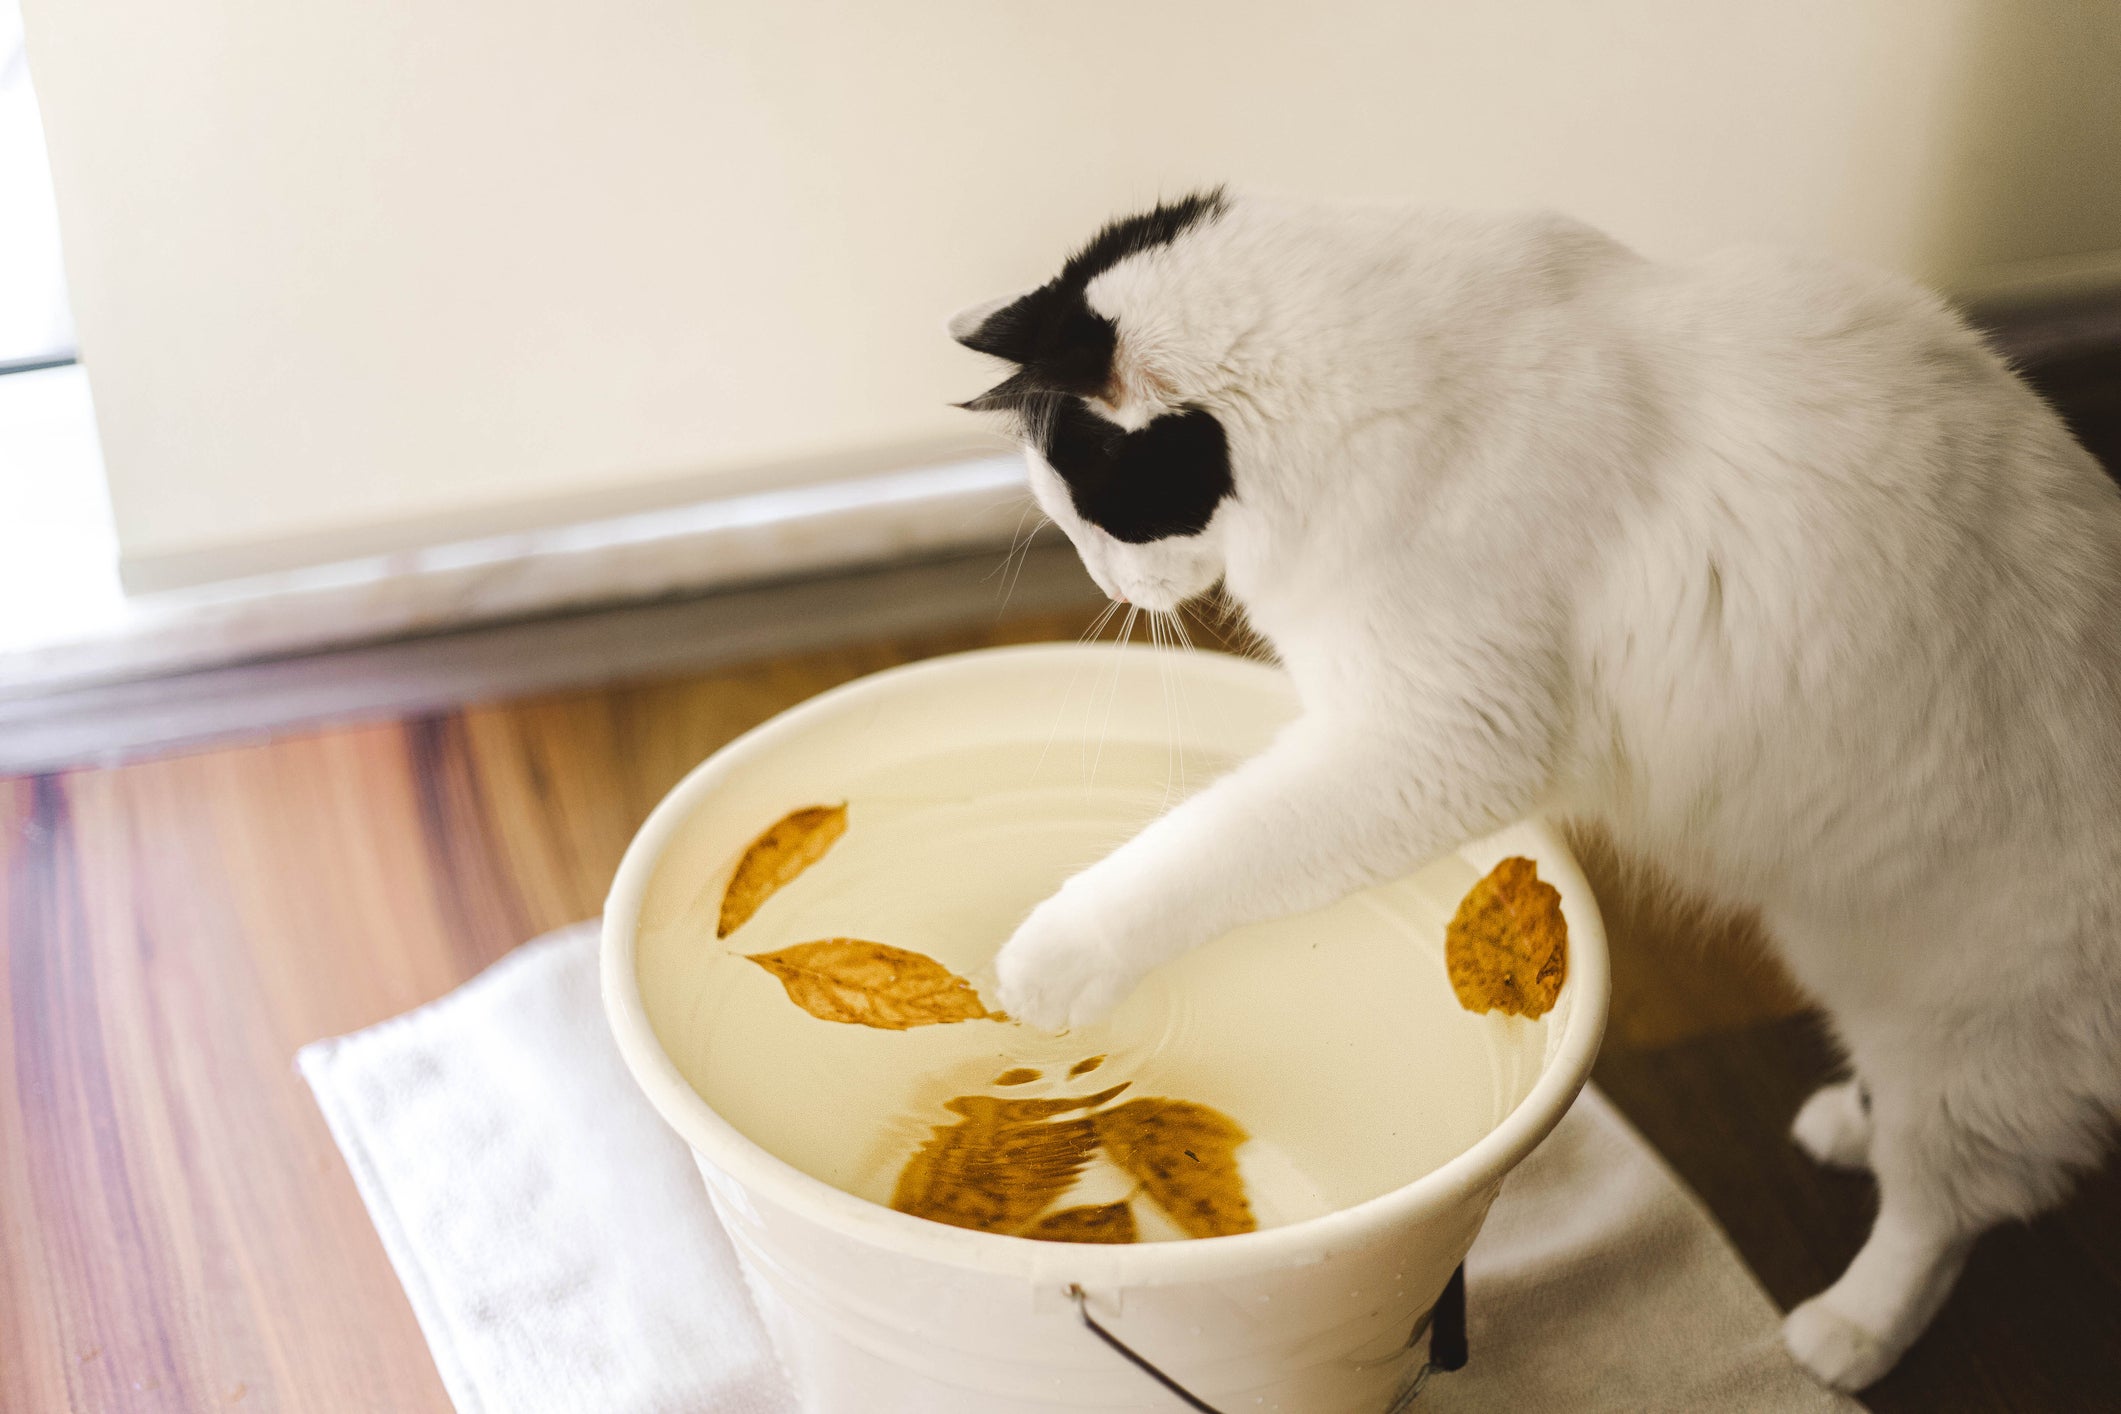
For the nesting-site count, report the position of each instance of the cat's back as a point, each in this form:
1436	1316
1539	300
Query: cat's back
1860	514
1780	331
1867	407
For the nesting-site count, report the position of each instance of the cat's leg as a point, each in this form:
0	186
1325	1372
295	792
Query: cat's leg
1329	808
1953	1158
1834	1126
1858	1328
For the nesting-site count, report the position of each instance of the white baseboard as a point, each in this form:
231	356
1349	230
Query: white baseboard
815	529
109	721
155	572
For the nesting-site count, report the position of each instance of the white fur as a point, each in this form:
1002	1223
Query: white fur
1767	562
1834	1127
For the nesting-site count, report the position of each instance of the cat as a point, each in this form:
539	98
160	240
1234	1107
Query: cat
1764	561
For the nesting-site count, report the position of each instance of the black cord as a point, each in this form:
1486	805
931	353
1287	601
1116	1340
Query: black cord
1082	1305
1446	1324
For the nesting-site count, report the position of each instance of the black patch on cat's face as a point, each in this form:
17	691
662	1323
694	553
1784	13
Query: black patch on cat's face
1063	345
1163	479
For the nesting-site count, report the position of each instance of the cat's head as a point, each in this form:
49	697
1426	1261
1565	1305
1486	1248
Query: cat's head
1123	457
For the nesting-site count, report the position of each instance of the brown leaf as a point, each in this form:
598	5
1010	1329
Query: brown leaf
1507	948
873	984
1184	1155
1001	1164
1101	1222
793	843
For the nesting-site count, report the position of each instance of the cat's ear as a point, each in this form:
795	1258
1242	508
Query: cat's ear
1058	342
1003	327
1012	393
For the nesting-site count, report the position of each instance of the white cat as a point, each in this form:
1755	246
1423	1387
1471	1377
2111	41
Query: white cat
1767	562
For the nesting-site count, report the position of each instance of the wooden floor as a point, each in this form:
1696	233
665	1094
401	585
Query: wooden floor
178	1233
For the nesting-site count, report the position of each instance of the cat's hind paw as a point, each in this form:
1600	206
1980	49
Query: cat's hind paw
1836	1350
1834	1127
1059	970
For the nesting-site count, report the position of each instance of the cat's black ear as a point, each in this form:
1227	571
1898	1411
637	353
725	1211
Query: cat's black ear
1060	344
1005	327
1013	392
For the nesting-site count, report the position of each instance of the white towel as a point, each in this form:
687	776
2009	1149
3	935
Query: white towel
560	1253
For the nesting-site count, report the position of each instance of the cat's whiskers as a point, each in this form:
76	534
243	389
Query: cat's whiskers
1098	626
1178	624
1019	551
1060	713
1178	694
1163	677
1016	534
1126	635
1023	557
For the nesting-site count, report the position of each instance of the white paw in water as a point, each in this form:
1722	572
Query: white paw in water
1834	1348
1060	970
1834	1127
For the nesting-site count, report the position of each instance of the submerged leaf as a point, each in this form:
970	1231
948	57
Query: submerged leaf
792	844
1184	1155
1507	948
1100	1222
1001	1164
873	984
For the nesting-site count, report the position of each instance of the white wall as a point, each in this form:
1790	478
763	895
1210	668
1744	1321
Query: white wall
352	274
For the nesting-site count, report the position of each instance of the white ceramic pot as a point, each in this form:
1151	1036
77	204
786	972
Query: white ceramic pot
876	1312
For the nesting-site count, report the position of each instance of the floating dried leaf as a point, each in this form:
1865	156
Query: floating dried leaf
873	984
1022	1075
1001	1164
1185	1156
1084	1067
1100	1222
1507	948
792	844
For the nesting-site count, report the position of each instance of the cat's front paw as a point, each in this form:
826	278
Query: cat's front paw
1060	969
